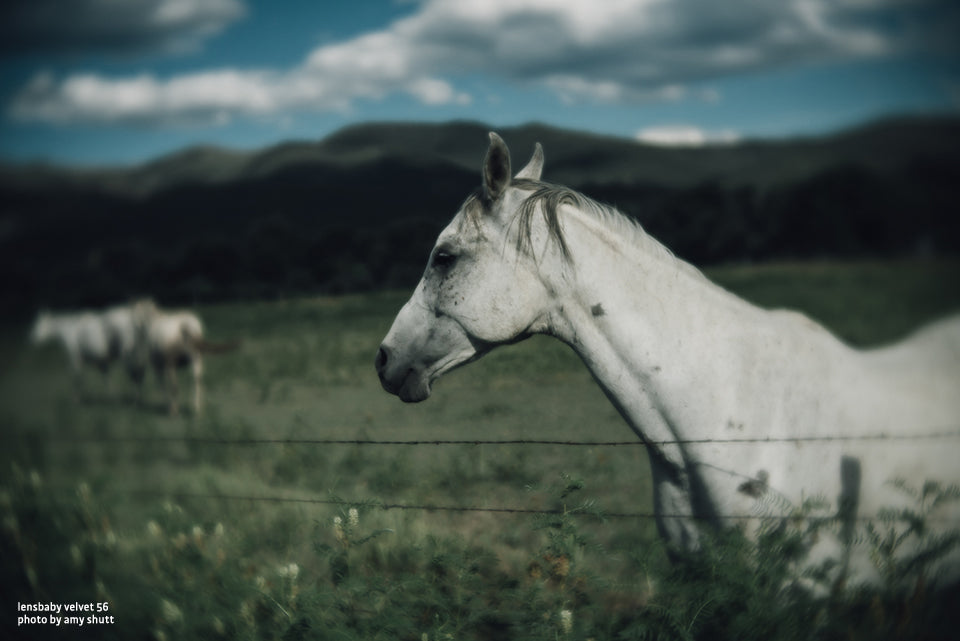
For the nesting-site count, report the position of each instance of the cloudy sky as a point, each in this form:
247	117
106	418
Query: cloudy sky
119	81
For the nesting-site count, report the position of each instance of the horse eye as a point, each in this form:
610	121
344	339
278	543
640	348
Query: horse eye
443	259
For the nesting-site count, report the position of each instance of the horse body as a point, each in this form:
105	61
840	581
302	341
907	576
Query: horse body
82	334
139	335
173	339
718	388
687	363
121	324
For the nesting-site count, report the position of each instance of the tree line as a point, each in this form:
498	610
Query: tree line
292	235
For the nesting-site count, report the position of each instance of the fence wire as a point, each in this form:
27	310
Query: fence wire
203	440
586	509
580	511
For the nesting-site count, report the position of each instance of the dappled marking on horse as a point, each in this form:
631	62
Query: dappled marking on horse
719	389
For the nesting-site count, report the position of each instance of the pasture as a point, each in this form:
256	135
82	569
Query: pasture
190	529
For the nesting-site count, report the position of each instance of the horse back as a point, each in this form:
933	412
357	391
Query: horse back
924	365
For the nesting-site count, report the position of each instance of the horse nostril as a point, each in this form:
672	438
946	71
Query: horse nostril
382	358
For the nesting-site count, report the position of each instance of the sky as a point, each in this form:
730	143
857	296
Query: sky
114	82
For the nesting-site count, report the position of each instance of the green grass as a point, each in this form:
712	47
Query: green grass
207	568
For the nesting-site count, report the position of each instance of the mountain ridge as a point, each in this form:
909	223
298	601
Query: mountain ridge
573	157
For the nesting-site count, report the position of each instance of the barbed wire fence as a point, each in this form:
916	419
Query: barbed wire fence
944	434
205	440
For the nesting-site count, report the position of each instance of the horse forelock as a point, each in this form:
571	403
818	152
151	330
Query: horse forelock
474	208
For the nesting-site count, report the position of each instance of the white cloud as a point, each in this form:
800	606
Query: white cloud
431	91
582	50
211	97
686	136
202	98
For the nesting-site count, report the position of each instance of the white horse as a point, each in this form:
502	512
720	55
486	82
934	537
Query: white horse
82	334
702	376
96	339
122	324
174	339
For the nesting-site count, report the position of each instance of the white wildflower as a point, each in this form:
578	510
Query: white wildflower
197	534
153	528
169	611
218	531
291	571
261	583
246	614
566	621
338	529
353	517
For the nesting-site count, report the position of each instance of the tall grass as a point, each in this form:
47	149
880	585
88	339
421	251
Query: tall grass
358	572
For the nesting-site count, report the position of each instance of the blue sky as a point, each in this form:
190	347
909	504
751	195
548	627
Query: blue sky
106	82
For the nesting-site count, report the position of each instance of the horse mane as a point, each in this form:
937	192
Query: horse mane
549	198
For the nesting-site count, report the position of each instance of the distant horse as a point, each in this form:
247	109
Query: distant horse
122	324
83	335
745	411
174	339
96	339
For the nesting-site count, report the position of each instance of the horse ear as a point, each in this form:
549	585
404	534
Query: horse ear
534	168
496	168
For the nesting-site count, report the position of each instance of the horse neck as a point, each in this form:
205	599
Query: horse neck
642	321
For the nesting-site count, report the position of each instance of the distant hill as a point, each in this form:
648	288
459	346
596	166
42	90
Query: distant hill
574	158
360	208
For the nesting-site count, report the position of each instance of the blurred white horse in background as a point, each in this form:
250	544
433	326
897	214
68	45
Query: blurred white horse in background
746	412
96	339
171	340
83	335
122	324
137	335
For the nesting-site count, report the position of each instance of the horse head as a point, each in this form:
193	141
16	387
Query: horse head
43	327
481	287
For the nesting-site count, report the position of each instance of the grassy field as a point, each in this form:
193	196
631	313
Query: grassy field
106	500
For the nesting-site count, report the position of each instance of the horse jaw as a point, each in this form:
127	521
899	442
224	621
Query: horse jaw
417	384
413	383
410	359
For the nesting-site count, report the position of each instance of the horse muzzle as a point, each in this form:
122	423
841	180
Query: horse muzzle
406	382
